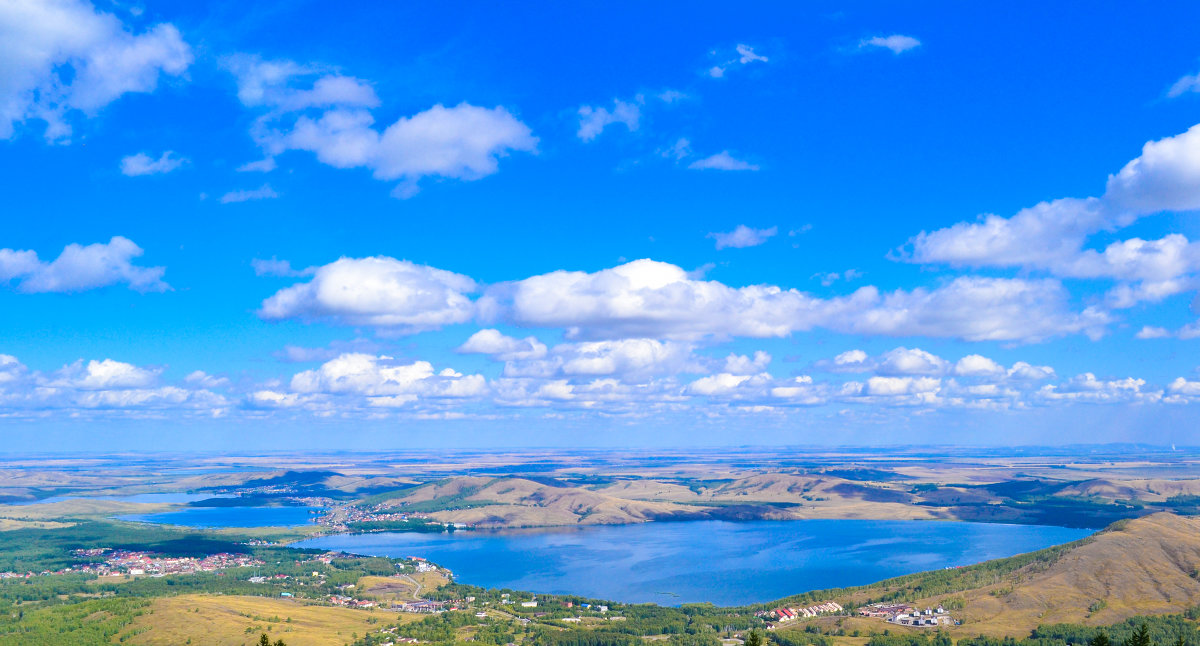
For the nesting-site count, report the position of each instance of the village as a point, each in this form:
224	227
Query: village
137	563
904	614
783	615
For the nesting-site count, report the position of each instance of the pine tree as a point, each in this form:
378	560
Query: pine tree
754	639
1140	637
1101	639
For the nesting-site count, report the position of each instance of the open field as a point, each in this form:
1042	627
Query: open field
234	621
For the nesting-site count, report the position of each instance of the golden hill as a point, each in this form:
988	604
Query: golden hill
517	502
1144	566
522	502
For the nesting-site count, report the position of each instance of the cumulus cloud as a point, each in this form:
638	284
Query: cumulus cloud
974	365
264	192
320	111
80	268
1086	388
65	56
1163	178
143	164
1051	236
382	292
103	386
722	161
743	236
384	381
505	348
646	298
897	43
594	119
740	364
903	361
657	300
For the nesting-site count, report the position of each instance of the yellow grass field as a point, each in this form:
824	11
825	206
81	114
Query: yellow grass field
211	620
8	524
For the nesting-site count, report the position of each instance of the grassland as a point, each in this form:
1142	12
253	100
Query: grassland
238	620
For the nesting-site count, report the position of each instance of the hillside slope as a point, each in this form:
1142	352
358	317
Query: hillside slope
1144	566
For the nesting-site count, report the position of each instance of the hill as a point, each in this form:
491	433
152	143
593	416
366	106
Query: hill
1143	566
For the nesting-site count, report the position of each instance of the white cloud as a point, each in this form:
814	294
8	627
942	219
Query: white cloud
657	300
1187	83
740	364
505	348
276	267
1039	236
98	387
374	381
625	357
746	55
143	164
743	55
895	386
718	384
1164	177
1051	236
80	268
743	236
830	277
264	165
681	149
1027	372
722	161
1185	389
1153	332
274	84
104	375
201	379
1086	388
594	119
65	56
646	298
974	365
379	291
903	361
897	43
317	110
264	192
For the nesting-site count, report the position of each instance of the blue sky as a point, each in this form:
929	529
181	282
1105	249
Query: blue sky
549	225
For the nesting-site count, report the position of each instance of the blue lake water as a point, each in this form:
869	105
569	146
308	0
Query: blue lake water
725	563
140	497
230	516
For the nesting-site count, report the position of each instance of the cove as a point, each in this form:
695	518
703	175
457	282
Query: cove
725	563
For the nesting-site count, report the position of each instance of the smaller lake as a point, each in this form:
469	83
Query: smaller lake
230	516
721	562
140	497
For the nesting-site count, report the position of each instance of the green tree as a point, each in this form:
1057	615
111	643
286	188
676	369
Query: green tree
1140	637
1101	639
754	639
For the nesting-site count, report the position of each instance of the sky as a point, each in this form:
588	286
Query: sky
303	225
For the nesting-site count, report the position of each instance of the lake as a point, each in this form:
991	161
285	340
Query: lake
230	516
140	497
726	563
